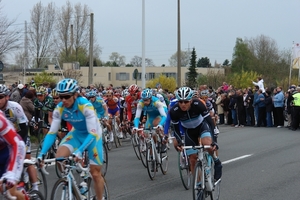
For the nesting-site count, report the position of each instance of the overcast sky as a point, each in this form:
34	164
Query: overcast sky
211	26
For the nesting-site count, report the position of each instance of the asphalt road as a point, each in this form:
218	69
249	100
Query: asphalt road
258	163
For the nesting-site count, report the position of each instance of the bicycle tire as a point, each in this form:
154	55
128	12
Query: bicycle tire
117	137
36	195
42	183
164	162
91	192
105	161
198	192
143	153
216	192
56	194
114	131
135	145
151	163
184	171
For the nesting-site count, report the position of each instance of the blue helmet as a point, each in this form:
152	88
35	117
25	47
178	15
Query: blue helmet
184	93
92	93
67	85
146	94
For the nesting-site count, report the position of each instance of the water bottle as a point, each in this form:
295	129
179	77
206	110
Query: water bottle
83	188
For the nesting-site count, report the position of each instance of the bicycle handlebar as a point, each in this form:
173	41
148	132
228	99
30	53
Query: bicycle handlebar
6	191
197	147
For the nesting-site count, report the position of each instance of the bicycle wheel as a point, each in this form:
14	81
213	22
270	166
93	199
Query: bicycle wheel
42	183
135	145
36	195
105	161
143	151
117	139
164	159
216	192
91	192
198	192
151	163
61	190
114	131
184	170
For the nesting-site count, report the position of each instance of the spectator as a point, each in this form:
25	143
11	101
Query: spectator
220	108
260	84
255	106
27	104
232	107
16	95
278	101
260	102
269	108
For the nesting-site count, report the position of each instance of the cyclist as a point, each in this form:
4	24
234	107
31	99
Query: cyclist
14	112
131	101
101	110
12	155
155	111
195	119
85	134
43	104
113	105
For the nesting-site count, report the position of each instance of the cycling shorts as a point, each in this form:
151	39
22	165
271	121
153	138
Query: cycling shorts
74	139
4	159
192	136
149	122
113	111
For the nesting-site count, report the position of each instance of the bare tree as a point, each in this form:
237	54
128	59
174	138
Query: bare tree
116	58
136	61
81	27
64	29
8	35
185	59
40	31
72	73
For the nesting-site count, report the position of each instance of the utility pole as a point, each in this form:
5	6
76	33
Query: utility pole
143	47
25	52
91	49
178	47
72	40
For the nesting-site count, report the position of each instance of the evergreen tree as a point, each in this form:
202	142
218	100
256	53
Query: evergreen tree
192	74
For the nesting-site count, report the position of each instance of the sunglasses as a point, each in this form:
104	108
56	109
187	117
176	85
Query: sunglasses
108	95
2	96
65	97
133	95
146	99
183	102
55	97
39	95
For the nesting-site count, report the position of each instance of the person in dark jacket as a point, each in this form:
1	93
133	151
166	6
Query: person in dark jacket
232	107
269	108
260	102
250	108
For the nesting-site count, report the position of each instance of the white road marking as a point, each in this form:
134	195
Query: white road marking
237	158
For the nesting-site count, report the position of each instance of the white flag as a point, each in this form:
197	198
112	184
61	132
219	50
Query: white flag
296	56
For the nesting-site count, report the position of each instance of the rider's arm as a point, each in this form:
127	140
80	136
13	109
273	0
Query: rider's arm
93	128
51	135
175	121
17	150
50	117
105	108
138	114
128	105
162	111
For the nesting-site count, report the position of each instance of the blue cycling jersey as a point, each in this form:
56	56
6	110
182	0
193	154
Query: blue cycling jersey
154	109
99	104
83	119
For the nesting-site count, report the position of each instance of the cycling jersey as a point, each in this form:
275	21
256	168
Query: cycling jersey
153	110
12	148
99	104
113	105
45	106
131	104
168	121
86	132
161	98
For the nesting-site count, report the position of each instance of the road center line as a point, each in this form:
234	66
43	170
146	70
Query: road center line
237	158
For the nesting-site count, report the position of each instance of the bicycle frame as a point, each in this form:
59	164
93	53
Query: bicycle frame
149	139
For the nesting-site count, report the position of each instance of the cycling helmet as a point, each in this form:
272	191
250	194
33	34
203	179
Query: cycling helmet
125	93
92	93
196	94
184	93
204	93
4	90
41	90
67	85
54	93
133	89
146	94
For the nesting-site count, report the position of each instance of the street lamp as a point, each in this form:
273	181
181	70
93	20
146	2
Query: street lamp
178	47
